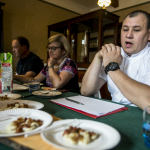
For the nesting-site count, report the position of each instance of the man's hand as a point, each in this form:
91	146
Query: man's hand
51	62
14	77
99	55
111	53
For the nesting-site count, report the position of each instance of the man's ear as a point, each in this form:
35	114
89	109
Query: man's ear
24	47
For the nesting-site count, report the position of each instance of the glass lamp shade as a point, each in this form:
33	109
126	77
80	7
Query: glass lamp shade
104	3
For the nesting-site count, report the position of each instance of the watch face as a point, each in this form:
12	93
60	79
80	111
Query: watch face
111	67
114	65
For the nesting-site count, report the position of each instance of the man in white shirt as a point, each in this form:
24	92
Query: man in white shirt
126	70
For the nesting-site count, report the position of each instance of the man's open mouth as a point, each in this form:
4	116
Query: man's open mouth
128	44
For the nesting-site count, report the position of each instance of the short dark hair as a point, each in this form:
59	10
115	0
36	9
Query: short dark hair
23	41
137	12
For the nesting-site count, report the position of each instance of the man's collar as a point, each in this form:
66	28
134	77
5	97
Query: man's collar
26	54
25	58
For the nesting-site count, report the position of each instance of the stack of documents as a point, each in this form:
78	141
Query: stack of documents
89	106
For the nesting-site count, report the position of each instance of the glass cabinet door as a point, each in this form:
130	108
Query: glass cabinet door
84	39
87	33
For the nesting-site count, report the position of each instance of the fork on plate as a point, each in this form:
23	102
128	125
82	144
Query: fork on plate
63	126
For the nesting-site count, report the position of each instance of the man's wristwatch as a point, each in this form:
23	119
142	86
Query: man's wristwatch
112	67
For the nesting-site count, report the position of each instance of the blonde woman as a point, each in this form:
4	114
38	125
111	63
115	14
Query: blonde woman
60	71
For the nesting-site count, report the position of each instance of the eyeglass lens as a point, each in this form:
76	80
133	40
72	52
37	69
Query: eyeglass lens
52	48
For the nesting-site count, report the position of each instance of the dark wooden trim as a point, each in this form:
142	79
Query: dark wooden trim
1	28
85	17
83	65
80	75
116	33
109	26
88	39
69	36
100	31
75	45
111	16
105	94
69	30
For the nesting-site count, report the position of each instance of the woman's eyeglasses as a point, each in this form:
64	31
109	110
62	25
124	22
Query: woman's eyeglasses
52	48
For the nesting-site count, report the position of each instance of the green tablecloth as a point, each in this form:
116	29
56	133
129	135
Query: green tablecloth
128	123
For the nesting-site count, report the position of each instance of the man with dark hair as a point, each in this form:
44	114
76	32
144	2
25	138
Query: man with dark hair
29	64
126	69
137	12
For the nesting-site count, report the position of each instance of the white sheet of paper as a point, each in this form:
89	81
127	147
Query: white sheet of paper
91	105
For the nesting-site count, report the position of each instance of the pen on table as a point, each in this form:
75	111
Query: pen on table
74	101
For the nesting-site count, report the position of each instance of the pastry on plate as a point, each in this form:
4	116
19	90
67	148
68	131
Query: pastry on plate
23	125
78	136
48	88
14	106
4	97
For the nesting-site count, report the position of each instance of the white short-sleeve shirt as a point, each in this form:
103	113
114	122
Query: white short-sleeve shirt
137	67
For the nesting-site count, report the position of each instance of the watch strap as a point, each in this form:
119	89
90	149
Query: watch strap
113	66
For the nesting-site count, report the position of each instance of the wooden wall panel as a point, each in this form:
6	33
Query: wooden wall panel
80	75
30	18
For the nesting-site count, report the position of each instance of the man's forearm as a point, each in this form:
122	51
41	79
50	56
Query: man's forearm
136	92
21	78
90	81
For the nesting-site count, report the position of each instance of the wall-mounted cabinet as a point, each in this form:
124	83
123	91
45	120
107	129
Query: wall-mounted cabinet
87	33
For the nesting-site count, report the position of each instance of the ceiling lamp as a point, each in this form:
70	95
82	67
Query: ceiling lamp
104	3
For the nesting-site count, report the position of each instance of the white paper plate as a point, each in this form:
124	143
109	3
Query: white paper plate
31	104
109	137
17	87
41	93
11	96
35	114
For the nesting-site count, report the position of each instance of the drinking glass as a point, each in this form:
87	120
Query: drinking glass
146	126
34	85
